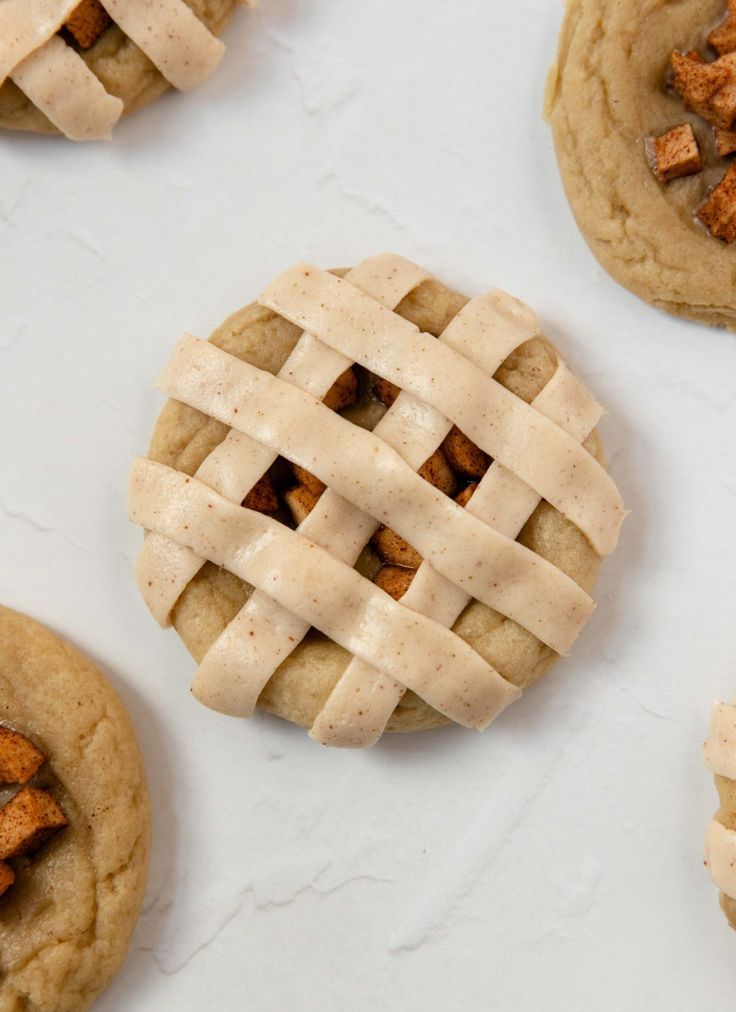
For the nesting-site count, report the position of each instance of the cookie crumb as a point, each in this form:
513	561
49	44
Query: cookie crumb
718	214
87	23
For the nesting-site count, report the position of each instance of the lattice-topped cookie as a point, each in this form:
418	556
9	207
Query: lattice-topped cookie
489	513
720	843
76	67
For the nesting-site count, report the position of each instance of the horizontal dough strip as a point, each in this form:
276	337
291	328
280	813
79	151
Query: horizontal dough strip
720	857
25	25
487	329
503	425
171	35
59	83
342	604
164	568
362	468
357	711
720	747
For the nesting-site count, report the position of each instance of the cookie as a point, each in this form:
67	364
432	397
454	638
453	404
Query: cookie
720	844
375	479
644	171
75	68
74	823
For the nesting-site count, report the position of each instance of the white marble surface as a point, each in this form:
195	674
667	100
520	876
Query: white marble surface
553	863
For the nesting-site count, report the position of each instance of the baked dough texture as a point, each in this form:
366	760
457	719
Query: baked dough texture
726	815
66	923
124	70
606	94
298	690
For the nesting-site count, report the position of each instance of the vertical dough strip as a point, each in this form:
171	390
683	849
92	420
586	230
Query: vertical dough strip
720	840
171	35
61	85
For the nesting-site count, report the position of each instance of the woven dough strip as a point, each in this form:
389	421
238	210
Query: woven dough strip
57	80
172	37
164	569
25	25
271	414
720	841
369	473
359	707
61	85
348	608
489	329
507	428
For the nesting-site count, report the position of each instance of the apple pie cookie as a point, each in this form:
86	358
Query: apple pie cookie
642	105
74	823
720	843
372	503
75	67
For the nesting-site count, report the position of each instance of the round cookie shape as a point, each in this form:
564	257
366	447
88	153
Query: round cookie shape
123	69
211	601
606	96
66	922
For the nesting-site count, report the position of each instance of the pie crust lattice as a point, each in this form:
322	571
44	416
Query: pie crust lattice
55	77
720	840
306	578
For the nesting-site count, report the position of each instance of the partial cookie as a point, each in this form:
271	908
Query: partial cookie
509	574
642	101
720	843
75	823
75	67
